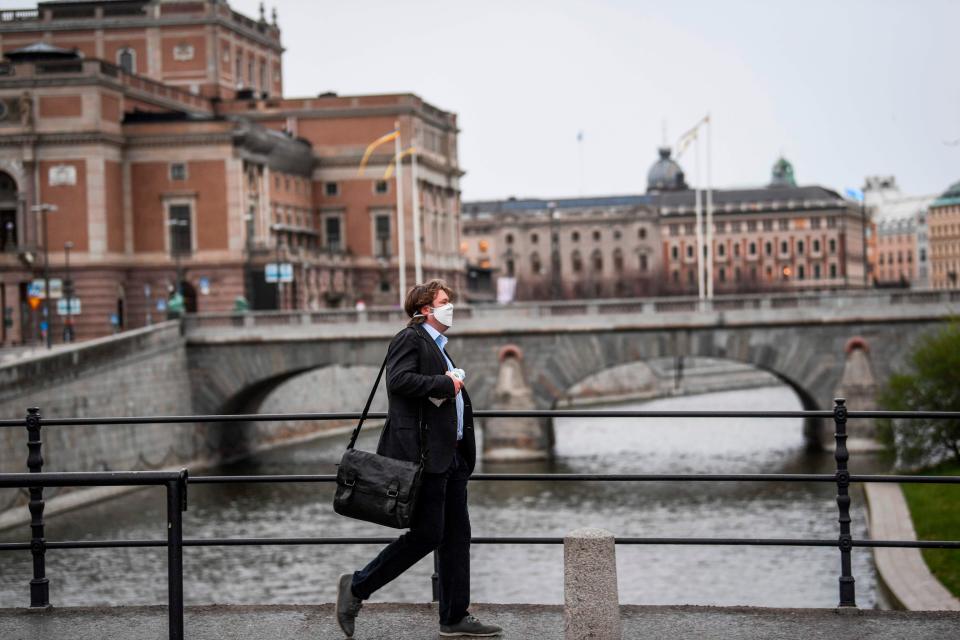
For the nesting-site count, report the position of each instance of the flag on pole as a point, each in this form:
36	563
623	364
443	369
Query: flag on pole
854	194
393	163
373	145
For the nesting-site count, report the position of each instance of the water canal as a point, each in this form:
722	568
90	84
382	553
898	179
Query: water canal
759	576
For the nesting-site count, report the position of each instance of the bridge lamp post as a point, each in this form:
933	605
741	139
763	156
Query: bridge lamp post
42	209
276	228
68	292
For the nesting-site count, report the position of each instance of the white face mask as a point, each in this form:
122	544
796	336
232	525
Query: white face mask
444	314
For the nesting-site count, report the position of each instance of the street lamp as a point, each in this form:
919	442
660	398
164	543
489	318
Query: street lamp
41	209
276	228
68	293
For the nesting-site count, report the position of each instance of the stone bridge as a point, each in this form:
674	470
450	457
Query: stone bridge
808	342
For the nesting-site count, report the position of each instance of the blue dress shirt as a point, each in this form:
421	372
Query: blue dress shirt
441	341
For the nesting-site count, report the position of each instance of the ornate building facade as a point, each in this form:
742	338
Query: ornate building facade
776	237
944	226
147	142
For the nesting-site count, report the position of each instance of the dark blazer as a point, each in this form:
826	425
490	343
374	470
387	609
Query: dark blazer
416	371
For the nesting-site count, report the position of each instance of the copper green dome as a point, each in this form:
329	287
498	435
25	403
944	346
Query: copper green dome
782	174
949	197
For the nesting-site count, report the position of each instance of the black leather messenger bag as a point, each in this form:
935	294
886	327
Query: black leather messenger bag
376	488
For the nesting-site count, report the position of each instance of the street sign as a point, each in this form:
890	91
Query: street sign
285	268
36	288
74	307
205	286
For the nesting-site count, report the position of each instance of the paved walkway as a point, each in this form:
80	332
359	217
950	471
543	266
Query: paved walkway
530	622
903	571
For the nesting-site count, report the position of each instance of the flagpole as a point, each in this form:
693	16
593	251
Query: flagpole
696	195
417	250
709	214
401	239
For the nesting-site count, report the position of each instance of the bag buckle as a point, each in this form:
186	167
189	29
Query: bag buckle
392	493
349	481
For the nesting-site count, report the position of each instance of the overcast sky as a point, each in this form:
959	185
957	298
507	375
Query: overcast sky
843	89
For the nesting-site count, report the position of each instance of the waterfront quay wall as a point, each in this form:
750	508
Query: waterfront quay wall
138	373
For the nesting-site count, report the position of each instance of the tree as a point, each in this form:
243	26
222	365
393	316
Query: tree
932	383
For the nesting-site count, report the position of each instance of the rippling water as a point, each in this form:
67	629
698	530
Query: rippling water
760	576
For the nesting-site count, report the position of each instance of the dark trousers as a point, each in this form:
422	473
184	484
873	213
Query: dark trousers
440	522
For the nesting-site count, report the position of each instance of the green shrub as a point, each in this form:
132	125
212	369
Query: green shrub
932	383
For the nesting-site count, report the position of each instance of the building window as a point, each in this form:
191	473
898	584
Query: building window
575	236
721	250
127	59
816	272
178	171
331	231
674	252
784	224
753	248
719	227
800	247
784	247
577	262
722	273
674	231
597	259
751	225
596	236
815	223
688	228
881	258
689	250
833	271
643	262
381	187
238	73
735	226
534	238
618	260
831	223
263	76
331	189
736	250
801	272
535	265
833	245
816	244
381	247
753	274
511	268
484	246
642	232
768	225
736	274
768	248
509	238
178	219
616	234
676	276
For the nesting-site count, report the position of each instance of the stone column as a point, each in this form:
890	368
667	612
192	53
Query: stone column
515	438
859	387
591	603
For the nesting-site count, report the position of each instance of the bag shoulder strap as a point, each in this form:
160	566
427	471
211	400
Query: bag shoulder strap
366	407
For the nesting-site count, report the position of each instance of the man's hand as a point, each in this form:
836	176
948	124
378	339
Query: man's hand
457	383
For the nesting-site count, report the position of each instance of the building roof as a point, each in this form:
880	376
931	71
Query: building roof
41	51
516	205
949	197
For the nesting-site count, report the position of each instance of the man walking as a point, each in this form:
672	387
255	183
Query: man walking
422	382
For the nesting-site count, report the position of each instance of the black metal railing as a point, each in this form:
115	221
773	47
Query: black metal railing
176	482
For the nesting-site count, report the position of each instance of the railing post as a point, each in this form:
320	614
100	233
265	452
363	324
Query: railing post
39	585
435	578
845	542
176	504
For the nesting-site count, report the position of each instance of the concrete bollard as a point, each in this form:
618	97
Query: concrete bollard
591	604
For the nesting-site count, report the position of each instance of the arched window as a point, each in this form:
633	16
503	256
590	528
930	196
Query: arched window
127	59
597	259
535	265
617	260
577	262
